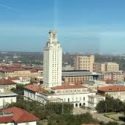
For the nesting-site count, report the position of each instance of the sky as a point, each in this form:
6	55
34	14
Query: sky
83	26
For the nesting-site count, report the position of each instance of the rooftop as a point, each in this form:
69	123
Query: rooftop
33	87
68	86
36	88
112	88
5	119
12	68
18	116
78	73
6	81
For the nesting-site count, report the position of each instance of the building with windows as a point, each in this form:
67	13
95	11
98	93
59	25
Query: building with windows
7	97
106	67
19	71
115	91
111	67
73	94
52	62
110	71
99	67
7	83
93	100
52	89
79	76
84	62
113	76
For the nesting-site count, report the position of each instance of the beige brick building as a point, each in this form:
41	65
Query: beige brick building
111	67
99	67
106	67
113	76
84	62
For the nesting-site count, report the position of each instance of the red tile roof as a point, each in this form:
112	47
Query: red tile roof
20	115
112	88
34	88
11	69
33	70
6	119
7	81
69	86
18	67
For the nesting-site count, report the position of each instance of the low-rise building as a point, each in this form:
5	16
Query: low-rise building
7	97
106	67
22	81
94	84
113	76
115	91
17	116
7	83
111	67
93	100
19	71
79	76
73	94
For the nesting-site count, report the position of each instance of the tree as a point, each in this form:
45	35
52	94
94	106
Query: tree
19	89
110	105
59	108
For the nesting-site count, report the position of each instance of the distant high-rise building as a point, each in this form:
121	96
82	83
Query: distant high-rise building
83	62
99	67
52	62
112	67
106	67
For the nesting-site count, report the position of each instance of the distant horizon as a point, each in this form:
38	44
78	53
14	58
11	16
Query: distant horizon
4	52
84	26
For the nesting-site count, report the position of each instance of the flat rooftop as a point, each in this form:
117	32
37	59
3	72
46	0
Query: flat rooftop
78	73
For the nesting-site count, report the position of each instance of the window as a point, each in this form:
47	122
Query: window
68	99
83	98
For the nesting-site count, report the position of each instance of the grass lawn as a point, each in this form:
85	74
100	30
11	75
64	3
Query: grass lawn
113	115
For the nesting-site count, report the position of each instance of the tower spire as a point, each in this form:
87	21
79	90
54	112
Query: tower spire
52	36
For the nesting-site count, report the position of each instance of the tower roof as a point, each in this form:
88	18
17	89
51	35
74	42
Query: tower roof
52	36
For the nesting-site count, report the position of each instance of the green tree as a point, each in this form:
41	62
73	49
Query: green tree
110	105
19	89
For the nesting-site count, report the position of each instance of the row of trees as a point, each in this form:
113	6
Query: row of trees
54	113
43	111
110	105
71	119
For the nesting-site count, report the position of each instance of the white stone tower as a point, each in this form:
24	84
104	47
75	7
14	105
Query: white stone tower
52	62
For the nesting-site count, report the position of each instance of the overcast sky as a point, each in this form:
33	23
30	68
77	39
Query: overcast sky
82	25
